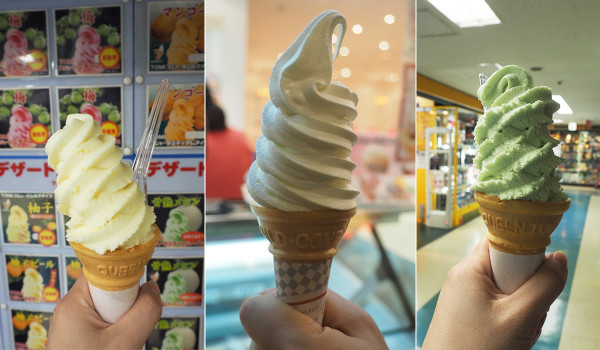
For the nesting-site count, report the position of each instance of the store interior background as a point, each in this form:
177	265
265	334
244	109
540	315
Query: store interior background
558	37
377	271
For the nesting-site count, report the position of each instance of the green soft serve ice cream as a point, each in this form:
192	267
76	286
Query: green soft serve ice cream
514	147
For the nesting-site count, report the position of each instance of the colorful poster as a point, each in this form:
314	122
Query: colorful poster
25	118
28	218
73	269
175	333
179	280
23	44
176	36
103	103
30	329
88	40
180	219
183	120
33	278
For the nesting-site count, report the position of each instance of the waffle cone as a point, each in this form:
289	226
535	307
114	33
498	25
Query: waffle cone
117	270
517	226
310	236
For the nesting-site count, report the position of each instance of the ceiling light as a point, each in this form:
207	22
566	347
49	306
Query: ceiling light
344	51
564	107
346	72
572	126
384	45
333	38
389	19
466	13
357	29
393	77
381	100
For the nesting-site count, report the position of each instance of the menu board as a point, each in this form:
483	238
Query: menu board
176	36
182	124
30	328
180	218
103	103
33	278
28	218
179	280
175	333
25	118
23	44
73	269
88	40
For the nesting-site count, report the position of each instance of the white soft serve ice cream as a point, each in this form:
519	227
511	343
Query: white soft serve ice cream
303	157
96	189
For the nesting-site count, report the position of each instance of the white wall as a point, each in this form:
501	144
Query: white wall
226	46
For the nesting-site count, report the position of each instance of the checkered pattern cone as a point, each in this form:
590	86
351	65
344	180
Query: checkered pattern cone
117	270
303	245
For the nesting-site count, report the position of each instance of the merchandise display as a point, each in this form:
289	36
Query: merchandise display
580	151
305	194
520	197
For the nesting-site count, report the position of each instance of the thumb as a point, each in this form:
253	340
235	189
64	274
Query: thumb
143	316
546	284
273	324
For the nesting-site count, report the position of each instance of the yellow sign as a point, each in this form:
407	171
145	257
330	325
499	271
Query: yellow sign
110	57
39	134
37	60
50	294
46	237
110	128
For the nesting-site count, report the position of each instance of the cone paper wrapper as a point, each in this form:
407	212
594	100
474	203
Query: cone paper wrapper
511	271
303	245
303	286
114	277
519	232
112	305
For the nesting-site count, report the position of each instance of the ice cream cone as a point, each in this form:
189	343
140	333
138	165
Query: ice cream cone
519	232
114	276
303	244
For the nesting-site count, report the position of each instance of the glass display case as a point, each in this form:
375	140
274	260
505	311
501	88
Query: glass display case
580	151
364	271
449	153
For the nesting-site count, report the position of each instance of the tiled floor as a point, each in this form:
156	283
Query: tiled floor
572	321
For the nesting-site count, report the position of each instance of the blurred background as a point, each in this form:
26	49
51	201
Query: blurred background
375	265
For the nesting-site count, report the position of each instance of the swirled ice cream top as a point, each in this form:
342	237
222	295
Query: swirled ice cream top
96	189
514	146
303	156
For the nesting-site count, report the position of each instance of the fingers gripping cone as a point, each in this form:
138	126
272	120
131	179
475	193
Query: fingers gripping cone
519	232
114	277
303	245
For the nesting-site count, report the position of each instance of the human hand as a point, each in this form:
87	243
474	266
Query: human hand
472	313
272	324
76	324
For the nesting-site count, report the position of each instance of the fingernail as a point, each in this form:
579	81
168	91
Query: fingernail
154	287
561	259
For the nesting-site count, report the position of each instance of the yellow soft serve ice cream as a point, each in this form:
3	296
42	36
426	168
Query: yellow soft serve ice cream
96	189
